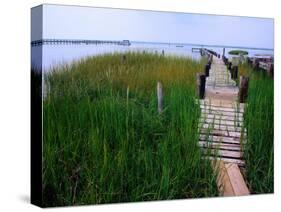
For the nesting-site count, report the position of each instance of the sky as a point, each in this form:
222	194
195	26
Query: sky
74	22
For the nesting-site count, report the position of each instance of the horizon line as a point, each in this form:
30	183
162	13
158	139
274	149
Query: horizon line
173	43
208	45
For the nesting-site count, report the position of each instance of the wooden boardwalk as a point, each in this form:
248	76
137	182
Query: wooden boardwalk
221	129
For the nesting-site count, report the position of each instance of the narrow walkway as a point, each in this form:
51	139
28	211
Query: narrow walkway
221	129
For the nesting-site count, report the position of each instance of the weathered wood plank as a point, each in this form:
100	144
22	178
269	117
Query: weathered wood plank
219	139
222	146
224	109
239	162
223	181
221	117
222	103
236	179
220	127
221	122
221	133
223	113
223	153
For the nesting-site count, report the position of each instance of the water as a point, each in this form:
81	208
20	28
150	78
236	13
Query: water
49	56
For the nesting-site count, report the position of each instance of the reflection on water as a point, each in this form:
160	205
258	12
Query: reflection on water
48	56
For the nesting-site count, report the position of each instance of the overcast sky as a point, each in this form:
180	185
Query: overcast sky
73	22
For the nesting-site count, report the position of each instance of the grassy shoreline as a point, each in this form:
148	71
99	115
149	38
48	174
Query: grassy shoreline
104	140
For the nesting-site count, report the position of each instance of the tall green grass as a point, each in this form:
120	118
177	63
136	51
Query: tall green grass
259	122
104	140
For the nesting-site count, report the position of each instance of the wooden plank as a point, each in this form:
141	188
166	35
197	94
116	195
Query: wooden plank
223	113
222	139
239	162
219	139
220	127
222	103
223	146
225	109
221	117
236	179
219	104
221	133
223	181
221	122
223	153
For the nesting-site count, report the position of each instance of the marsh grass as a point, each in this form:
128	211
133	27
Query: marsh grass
104	140
259	150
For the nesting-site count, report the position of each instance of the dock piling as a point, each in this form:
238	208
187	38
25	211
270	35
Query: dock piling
229	66
207	69
234	72
201	81
243	89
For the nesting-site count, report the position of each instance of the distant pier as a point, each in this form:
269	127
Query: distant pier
78	41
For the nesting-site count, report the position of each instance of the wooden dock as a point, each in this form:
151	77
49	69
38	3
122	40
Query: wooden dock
78	42
264	62
221	128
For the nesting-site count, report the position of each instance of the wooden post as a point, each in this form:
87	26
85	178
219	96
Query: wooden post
160	97
207	69
256	64
229	65
234	73
201	81
225	60
243	89
124	58
223	52
270	70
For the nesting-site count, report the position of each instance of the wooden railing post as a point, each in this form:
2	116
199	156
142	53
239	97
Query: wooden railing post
243	89
160	97
201	81
207	69
229	66
234	72
270	70
256	64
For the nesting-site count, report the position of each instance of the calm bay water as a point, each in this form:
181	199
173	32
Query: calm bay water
54	55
